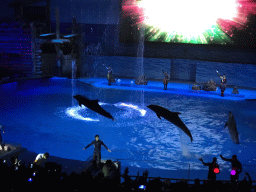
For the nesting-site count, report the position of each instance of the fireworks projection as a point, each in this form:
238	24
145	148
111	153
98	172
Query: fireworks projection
197	22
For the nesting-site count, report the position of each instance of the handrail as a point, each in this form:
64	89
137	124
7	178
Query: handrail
136	160
88	158
176	178
163	178
164	161
189	168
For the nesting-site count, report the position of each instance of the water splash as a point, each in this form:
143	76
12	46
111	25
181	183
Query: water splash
73	81
74	110
140	59
135	107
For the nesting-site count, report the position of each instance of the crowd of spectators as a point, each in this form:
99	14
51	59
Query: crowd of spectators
49	177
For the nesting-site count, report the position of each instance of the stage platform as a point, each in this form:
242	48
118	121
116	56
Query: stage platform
173	88
89	166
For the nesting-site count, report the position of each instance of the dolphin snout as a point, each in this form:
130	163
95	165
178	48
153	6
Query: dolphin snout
150	107
76	96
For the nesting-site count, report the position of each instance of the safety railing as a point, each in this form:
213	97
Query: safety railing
188	171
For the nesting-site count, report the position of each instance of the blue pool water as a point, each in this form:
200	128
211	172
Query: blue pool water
42	116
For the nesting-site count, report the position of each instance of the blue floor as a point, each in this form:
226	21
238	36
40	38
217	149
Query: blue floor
173	88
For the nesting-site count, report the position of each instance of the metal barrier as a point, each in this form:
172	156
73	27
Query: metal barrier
198	167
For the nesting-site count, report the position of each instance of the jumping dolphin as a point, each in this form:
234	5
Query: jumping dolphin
170	116
93	105
231	123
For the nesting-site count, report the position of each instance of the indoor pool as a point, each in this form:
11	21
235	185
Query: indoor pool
42	116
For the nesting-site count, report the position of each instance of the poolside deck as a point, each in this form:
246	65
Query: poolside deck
173	88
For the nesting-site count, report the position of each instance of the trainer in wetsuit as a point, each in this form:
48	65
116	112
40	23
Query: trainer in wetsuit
237	166
97	149
109	76
223	84
166	78
213	168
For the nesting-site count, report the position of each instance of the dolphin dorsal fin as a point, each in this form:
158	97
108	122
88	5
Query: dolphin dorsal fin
176	113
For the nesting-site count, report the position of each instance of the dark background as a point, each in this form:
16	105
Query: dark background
100	22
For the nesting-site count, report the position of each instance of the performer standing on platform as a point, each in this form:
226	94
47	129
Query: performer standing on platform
223	84
109	75
213	168
97	149
110	72
166	78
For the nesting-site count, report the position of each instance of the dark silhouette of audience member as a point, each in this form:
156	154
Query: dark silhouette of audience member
154	185
197	187
15	163
125	175
213	168
167	185
110	170
40	158
236	166
127	184
1	139
106	169
245	185
50	176
182	185
143	179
